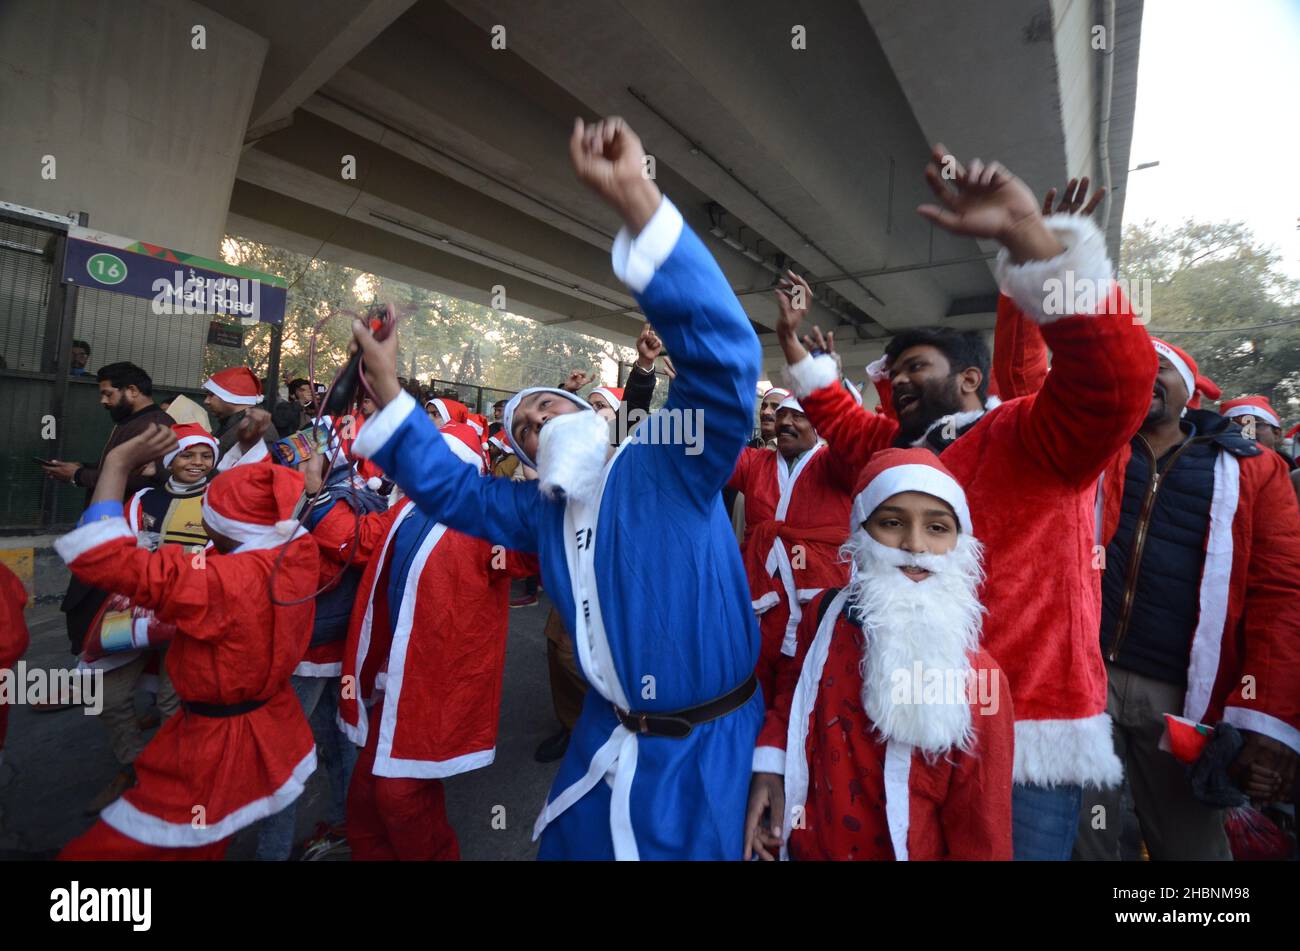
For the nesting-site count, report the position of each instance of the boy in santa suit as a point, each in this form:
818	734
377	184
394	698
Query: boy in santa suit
635	549
796	517
1029	467
892	737
424	663
13	634
240	748
169	514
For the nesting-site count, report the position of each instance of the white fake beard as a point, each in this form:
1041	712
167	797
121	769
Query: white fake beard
571	455
934	622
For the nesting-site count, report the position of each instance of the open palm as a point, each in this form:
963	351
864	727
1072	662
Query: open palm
982	201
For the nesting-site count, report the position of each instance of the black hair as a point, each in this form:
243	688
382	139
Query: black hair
294	384
494	428
124	374
963	348
83	345
499	403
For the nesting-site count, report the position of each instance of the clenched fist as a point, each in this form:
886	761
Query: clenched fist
609	159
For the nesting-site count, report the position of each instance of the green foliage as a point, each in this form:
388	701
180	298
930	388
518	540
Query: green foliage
1208	276
440	337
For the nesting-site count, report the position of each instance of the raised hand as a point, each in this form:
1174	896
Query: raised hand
648	347
577	380
609	159
987	201
380	367
253	427
819	342
793	297
1076	190
154	442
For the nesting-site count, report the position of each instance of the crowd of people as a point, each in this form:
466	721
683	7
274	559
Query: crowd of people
952	626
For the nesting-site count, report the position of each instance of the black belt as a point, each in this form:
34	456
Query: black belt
679	723
221	709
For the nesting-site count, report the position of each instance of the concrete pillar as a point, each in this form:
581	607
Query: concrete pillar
144	131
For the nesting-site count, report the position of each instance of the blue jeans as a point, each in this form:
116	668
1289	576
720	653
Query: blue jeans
319	697
1044	822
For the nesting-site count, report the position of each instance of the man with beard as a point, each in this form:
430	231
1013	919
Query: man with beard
1029	467
892	735
126	392
796	512
1200	608
635	549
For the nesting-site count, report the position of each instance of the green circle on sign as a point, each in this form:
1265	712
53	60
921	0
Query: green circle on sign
106	268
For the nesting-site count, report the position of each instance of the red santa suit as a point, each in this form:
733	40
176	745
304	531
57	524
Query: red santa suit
926	780
13	634
422	690
796	518
1029	467
240	748
1248	609
1244	664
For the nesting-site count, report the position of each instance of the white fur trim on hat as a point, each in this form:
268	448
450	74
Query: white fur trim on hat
913	477
462	451
789	403
613	401
1248	410
1038	287
187	441
1170	354
812	373
229	397
508	416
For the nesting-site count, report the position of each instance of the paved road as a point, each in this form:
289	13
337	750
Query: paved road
55	763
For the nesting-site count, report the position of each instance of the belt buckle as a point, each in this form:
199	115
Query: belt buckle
643	723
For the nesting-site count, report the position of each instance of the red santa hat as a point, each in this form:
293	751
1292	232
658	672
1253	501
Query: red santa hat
237	385
1258	406
892	471
449	411
1292	431
1182	362
465	443
478	422
190	434
613	395
254	504
501	444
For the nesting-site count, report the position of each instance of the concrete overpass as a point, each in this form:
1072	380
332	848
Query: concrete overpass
777	155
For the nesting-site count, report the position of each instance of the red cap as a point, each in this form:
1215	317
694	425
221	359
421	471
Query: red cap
1257	406
892	471
237	385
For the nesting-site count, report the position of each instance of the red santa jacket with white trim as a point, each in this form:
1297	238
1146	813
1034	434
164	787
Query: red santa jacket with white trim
1244	662
958	805
441	670
13	633
232	645
1029	467
807	506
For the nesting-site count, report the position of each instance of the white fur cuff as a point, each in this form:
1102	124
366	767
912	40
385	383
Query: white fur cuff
769	759
91	535
1064	285
1077	752
637	259
812	373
